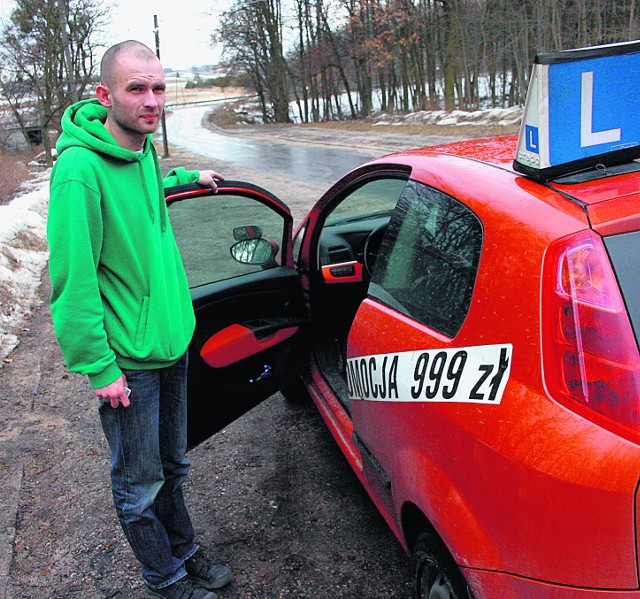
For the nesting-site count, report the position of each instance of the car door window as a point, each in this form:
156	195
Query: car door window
359	211
207	227
376	196
429	259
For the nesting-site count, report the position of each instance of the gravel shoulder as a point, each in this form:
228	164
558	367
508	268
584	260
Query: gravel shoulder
270	495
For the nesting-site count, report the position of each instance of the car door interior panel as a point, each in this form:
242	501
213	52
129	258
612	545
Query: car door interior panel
251	319
240	341
249	340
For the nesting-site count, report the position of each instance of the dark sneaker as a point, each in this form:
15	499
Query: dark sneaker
205	573
181	589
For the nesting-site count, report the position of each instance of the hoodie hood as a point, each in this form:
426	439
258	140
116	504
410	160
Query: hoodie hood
83	126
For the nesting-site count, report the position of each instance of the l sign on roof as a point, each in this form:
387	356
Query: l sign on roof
581	111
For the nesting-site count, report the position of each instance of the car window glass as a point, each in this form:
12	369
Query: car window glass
429	258
623	250
376	196
204	231
297	243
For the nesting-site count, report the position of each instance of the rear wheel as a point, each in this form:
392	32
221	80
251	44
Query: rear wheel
436	575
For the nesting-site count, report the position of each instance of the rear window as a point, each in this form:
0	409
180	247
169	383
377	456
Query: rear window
624	251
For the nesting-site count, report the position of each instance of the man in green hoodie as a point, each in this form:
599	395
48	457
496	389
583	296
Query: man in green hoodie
122	311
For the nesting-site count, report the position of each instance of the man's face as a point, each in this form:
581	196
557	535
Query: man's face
135	96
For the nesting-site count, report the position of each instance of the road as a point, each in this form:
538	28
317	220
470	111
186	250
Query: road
311	163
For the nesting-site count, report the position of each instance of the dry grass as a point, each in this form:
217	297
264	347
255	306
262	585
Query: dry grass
7	297
179	95
12	263
13	172
367	125
224	117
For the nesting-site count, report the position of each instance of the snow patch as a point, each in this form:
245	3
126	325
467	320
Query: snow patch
493	116
23	256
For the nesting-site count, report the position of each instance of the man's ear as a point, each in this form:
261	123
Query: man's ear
104	95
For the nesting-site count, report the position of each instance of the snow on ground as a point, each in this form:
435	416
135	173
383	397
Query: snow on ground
492	116
23	256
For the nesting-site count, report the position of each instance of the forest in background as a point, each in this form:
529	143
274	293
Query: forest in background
345	58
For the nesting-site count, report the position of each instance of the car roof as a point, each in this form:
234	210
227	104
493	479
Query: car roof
611	200
499	150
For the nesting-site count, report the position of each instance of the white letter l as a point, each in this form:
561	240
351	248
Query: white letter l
587	136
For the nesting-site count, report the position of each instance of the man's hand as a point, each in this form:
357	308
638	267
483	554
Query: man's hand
115	393
209	178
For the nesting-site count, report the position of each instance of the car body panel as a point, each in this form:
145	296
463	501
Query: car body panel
497	584
435	453
519	465
611	202
494	150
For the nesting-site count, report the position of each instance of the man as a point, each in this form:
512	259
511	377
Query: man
122	311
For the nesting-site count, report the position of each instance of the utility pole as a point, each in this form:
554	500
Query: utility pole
163	119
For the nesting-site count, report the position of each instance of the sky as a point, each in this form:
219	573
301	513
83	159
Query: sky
185	27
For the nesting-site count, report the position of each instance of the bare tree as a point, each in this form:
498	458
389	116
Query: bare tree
252	36
48	56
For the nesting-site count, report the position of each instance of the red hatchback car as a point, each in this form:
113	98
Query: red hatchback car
467	327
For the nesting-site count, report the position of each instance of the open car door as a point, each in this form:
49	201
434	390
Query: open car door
251	319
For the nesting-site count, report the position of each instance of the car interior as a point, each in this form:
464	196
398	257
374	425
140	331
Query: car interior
347	247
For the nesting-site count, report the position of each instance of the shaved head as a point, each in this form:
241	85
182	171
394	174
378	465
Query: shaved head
133	92
111	56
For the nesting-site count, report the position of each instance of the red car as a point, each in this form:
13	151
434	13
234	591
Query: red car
466	324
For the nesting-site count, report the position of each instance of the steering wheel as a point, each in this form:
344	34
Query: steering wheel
372	246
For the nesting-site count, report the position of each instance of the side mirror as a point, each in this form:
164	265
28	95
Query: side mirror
247	232
258	251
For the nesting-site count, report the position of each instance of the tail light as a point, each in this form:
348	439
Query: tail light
591	360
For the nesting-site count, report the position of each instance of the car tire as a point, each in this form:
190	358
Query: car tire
296	392
436	575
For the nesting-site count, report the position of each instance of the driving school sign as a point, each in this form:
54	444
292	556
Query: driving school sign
477	374
581	110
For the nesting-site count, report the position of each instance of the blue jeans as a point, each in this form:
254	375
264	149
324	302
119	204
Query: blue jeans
148	442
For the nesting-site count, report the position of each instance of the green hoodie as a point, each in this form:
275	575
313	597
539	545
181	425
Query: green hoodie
120	297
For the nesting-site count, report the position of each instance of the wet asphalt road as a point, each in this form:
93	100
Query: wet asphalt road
304	162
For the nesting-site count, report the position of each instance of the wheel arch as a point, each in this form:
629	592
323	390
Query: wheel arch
413	522
438	504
